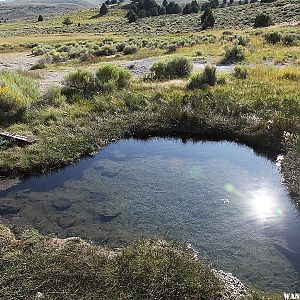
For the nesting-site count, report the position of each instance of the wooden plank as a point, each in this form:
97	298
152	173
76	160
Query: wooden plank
18	137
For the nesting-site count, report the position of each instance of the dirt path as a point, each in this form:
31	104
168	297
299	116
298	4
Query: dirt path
17	61
139	68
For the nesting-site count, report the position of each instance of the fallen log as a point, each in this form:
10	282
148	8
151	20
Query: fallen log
17	137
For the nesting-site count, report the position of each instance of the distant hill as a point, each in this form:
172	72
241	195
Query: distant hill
23	9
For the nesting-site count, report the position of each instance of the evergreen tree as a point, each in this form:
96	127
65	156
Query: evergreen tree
129	13
165	3
142	13
176	10
107	2
162	10
207	19
153	12
205	6
169	7
187	9
214	3
195	8
262	20
132	18
40	18
103	10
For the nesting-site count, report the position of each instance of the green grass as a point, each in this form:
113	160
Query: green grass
74	269
256	110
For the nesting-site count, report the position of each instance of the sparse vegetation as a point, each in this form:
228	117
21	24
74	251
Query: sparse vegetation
178	67
233	54
203	79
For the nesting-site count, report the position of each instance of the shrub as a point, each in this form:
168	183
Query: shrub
178	67
171	48
132	18
242	40
39	66
86	56
56	57
80	82
290	39
106	51
17	93
53	97
67	21
120	47
240	72
273	37
262	20
202	79
234	54
130	50
111	77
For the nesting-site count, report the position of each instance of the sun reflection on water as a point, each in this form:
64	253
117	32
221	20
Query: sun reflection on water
264	203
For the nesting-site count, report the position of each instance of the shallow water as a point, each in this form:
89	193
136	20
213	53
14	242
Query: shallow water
222	198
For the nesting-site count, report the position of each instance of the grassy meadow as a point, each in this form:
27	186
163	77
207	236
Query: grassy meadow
256	102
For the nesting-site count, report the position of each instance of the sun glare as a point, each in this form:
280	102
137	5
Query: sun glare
264	204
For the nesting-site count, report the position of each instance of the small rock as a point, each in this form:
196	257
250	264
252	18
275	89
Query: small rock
39	295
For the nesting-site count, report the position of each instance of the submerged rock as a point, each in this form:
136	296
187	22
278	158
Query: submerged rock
61	204
7	209
66	221
104	218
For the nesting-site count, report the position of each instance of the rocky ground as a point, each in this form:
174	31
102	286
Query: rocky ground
234	288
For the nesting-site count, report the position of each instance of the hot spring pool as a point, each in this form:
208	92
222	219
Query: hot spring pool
221	197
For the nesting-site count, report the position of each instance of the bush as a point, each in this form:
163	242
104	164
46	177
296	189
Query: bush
202	79
80	82
273	37
178	67
111	77
240	72
172	48
53	97
262	20
132	18
120	47
106	51
39	66
86	56
234	54
130	50
290	39
17	93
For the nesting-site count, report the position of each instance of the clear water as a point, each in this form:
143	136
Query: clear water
222	198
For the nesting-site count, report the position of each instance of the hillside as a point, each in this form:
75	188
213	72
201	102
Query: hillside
27	9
